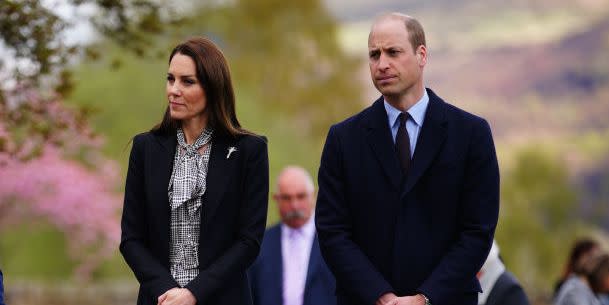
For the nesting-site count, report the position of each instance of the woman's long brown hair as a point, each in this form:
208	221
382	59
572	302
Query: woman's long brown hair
214	76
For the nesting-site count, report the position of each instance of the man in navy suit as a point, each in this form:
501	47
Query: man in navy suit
289	269
408	188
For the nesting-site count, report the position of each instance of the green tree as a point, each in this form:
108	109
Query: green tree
292	78
33	34
286	56
537	218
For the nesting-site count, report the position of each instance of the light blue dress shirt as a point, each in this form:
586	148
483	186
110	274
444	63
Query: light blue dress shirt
413	125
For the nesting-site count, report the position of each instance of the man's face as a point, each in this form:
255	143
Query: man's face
395	67
295	199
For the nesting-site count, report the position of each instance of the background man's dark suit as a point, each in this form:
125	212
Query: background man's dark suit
428	232
266	274
507	291
500	287
232	220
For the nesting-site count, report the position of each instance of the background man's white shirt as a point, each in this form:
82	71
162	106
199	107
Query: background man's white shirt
295	252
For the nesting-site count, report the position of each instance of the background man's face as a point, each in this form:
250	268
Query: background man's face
295	199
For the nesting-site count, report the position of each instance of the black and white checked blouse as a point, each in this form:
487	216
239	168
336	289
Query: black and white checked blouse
186	186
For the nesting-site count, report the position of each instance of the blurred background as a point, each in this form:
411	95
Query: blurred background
79	78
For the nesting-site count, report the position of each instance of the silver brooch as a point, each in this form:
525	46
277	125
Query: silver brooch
231	150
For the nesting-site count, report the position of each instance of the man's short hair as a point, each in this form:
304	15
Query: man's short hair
416	34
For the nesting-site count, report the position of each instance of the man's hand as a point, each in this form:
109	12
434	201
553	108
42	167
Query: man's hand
387	299
177	296
409	300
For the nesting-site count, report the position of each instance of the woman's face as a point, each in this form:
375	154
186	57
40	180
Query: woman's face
185	93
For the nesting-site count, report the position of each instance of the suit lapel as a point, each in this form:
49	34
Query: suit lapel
162	167
275	285
219	172
379	138
314	260
430	140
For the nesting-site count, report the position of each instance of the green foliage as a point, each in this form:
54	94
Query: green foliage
34	35
121	102
537	216
287	57
131	100
291	77
31	30
42	253
541	184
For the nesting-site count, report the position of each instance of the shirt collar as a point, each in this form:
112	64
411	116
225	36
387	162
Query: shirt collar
308	229
417	111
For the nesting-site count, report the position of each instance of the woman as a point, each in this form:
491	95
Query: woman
582	249
197	189
589	278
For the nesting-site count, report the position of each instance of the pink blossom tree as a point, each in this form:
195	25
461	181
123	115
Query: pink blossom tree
51	169
50	164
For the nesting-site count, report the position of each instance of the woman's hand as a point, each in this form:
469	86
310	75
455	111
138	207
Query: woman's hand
177	296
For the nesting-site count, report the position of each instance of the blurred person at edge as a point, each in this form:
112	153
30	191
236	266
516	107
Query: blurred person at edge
499	286
582	248
590	278
196	194
290	269
408	188
1	289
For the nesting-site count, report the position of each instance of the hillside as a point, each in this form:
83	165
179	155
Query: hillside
575	64
357	10
562	85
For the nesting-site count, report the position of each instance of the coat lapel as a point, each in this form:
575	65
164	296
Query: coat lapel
379	138
430	140
219	172
275	284
314	261
162	167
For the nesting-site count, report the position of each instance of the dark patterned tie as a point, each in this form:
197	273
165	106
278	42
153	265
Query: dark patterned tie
402	143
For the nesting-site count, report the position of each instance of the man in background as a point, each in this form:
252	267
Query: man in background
499	286
289	269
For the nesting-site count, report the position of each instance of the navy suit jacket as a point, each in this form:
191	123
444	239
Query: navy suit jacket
266	274
233	217
428	232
